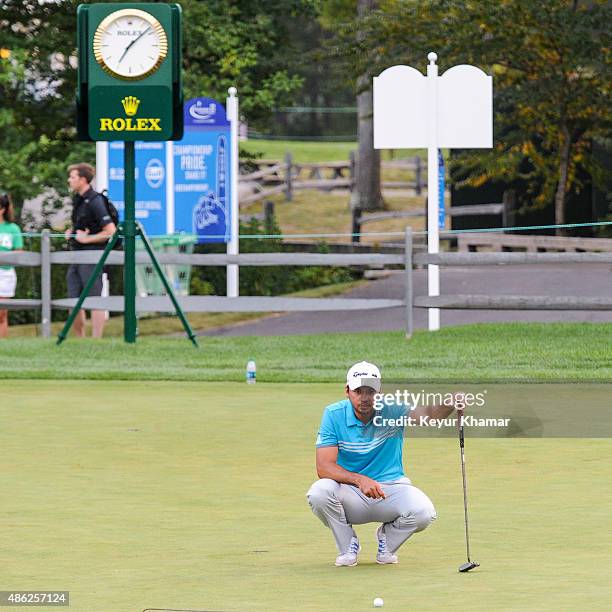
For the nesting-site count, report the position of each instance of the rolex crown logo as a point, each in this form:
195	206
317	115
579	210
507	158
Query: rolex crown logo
130	105
130	124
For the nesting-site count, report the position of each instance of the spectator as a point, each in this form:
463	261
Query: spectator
10	240
92	227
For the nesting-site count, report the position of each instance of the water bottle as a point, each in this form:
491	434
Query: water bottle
251	372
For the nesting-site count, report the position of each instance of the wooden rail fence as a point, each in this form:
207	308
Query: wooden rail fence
273	176
46	258
532	244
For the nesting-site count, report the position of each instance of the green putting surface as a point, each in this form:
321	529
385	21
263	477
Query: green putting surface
135	495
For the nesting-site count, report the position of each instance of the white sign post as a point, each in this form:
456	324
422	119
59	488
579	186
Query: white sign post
232	245
453	111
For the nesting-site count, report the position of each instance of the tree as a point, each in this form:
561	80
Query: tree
550	63
37	86
367	194
242	43
553	88
348	24
324	86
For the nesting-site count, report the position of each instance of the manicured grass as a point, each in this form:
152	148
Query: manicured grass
315	212
136	495
485	352
309	151
301	151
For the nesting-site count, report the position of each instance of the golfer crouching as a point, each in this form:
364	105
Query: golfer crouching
362	478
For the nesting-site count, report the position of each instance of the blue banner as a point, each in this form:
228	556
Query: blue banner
202	167
150	183
441	188
202	171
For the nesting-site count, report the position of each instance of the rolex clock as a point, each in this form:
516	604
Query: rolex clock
129	71
130	44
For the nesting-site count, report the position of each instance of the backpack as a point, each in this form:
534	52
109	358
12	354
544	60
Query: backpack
113	213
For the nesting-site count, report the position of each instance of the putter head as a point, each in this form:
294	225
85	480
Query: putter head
470	565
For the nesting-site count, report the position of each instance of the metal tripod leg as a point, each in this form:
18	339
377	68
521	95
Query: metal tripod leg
97	271
164	280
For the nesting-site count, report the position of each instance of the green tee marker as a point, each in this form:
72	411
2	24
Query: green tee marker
129	89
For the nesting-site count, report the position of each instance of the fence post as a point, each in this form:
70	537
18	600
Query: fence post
268	216
418	170
45	284
354	204
408	271
509	212
288	177
356	224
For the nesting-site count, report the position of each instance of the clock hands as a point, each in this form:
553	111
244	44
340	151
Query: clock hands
132	43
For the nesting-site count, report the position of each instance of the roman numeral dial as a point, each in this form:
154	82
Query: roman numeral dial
130	44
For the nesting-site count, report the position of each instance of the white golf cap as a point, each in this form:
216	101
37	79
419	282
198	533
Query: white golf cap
363	374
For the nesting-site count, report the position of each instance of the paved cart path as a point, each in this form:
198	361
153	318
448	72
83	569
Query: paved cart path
591	280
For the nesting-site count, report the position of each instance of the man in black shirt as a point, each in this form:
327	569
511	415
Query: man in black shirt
91	229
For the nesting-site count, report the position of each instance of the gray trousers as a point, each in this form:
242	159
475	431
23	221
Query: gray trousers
403	512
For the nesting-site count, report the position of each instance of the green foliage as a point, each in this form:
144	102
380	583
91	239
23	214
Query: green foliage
265	280
244	43
550	87
324	84
37	84
550	62
334	12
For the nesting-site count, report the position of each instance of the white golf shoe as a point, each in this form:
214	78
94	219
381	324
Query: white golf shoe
349	559
383	556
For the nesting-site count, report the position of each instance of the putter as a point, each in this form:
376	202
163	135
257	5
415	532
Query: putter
470	565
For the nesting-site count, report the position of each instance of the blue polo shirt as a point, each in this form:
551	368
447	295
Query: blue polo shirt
363	448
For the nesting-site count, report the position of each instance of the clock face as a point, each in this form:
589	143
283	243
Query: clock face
130	44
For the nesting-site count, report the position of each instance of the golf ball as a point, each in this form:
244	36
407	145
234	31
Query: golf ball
378	602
